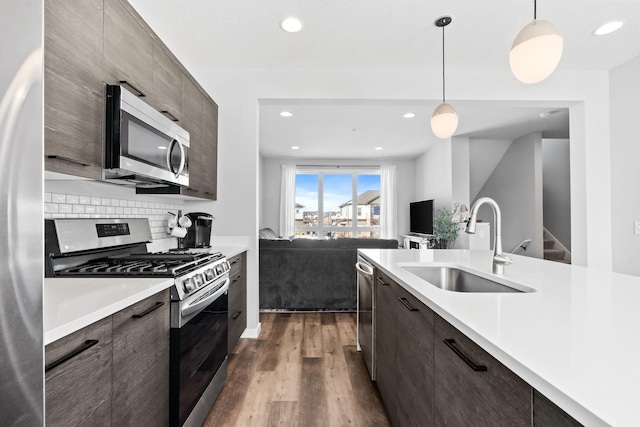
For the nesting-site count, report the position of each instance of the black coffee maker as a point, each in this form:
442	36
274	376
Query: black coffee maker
199	234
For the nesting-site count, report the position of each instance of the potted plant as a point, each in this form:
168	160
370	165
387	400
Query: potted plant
445	228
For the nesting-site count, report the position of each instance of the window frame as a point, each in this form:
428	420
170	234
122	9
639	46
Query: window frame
320	230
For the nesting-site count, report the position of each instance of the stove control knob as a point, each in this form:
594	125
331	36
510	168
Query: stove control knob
209	274
199	280
189	285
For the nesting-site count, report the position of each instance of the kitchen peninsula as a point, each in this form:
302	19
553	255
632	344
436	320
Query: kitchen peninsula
572	339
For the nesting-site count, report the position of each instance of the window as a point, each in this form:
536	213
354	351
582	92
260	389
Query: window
326	200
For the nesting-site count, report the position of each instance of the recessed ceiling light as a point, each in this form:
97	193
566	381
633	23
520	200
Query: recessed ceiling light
295	147
409	115
286	114
291	24
378	148
548	113
608	28
162	147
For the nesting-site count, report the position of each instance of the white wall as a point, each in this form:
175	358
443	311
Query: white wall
485	154
512	184
625	170
556	189
434	175
270	194
237	92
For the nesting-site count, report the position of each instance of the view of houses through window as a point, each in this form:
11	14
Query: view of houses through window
325	203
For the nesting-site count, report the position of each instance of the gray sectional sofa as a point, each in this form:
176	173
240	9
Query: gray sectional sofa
311	275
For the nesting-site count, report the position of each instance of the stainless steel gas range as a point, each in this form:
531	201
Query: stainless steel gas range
199	302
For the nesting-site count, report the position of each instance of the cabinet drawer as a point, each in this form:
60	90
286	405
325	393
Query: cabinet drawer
141	362
478	391
237	308
78	377
237	264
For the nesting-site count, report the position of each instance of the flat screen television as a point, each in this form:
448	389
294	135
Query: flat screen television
421	217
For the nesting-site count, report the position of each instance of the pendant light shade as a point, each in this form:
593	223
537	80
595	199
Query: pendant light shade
536	51
444	120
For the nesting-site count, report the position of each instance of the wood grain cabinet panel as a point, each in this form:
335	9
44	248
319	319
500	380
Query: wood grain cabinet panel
128	49
192	102
386	343
414	360
466	397
237	299
210	149
548	414
78	390
141	363
73	88
167	85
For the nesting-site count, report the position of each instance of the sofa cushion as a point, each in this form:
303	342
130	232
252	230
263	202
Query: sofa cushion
277	243
313	243
267	233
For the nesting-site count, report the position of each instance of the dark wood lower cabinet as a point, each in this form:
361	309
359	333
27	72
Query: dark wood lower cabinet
114	372
237	300
548	414
386	343
414	360
78	378
141	363
472	388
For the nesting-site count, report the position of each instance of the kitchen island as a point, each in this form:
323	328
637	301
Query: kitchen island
574	339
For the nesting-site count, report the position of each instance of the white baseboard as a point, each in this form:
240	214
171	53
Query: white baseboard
252	333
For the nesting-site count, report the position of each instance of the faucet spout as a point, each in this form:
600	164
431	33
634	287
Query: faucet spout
499	258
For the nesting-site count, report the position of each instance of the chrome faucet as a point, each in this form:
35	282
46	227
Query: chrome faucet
499	258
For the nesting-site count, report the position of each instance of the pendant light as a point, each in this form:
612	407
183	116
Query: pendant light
444	120
536	50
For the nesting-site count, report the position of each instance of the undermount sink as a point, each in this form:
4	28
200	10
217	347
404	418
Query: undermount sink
456	280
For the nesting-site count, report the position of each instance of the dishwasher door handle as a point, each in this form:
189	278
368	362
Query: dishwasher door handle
365	269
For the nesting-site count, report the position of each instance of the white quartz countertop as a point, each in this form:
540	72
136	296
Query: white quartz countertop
576	339
70	304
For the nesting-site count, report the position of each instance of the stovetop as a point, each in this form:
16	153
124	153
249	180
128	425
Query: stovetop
160	264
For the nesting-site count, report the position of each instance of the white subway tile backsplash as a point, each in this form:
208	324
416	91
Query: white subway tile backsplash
50	207
58	205
65	208
58	198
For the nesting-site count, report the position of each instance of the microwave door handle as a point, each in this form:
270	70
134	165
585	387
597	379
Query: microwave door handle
183	159
169	151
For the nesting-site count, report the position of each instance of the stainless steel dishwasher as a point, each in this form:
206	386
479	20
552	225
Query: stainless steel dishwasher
366	312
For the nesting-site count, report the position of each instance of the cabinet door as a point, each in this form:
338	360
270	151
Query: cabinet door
78	377
210	149
548	414
237	301
192	102
141	363
385	318
166	95
128	48
73	89
414	360
490	395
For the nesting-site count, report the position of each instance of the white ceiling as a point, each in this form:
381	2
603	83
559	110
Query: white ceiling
377	34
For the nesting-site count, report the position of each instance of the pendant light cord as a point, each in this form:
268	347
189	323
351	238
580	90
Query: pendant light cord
443	65
535	10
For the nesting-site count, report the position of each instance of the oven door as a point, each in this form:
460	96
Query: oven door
198	348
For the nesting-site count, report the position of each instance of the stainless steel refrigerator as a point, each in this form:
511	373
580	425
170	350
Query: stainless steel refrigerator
21	211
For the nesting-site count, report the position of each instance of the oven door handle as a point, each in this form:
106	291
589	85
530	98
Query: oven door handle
200	303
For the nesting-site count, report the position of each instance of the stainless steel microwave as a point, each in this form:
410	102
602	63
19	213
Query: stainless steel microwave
143	148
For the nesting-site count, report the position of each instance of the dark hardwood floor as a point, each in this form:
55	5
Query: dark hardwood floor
304	370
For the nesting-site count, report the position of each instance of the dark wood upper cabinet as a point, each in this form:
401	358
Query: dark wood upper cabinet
73	89
472	388
167	93
128	49
210	149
